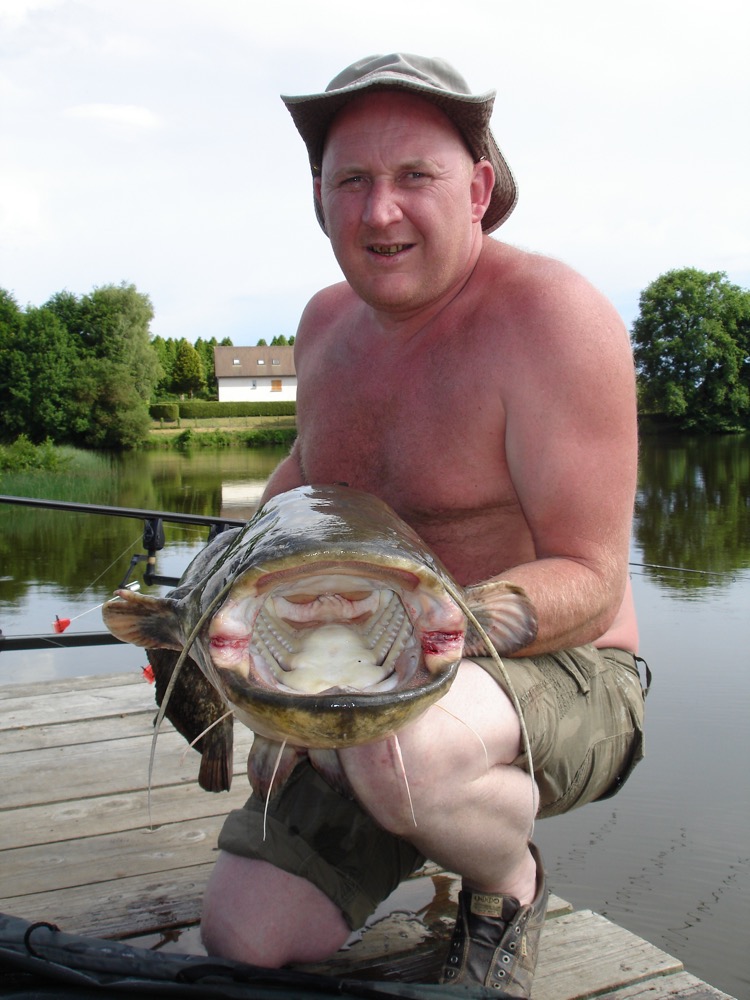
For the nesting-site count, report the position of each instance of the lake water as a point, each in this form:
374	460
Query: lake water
669	856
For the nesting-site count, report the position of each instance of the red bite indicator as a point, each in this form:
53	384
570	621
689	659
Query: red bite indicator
60	624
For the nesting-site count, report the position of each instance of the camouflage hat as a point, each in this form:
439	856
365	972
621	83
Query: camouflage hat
434	80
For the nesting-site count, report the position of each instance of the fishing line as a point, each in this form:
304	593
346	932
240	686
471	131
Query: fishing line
495	656
60	624
270	786
98	578
682	569
400	759
173	680
470	728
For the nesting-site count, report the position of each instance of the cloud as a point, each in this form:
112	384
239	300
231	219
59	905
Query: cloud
13	13
129	115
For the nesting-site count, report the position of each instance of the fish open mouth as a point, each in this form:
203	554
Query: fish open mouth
323	632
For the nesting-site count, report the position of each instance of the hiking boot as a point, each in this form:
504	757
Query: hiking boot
496	940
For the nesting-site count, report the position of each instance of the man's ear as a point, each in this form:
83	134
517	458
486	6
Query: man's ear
482	183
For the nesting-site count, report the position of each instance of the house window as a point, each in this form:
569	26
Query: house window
261	361
275	361
236	361
275	385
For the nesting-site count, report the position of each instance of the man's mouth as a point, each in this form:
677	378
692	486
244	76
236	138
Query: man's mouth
388	250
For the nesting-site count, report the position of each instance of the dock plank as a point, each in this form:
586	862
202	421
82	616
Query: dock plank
75	704
49	823
682	985
36	689
611	956
62	773
70	863
119	907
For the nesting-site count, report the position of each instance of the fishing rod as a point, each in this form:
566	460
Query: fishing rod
137	512
153	528
153	541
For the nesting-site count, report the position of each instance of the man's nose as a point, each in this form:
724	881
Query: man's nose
382	206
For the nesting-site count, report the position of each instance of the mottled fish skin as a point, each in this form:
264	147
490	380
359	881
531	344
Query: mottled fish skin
192	707
300	573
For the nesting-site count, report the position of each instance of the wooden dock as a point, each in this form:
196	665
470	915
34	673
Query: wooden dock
78	849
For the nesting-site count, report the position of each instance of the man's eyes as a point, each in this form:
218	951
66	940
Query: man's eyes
408	177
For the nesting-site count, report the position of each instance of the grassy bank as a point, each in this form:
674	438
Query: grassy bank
231	432
56	473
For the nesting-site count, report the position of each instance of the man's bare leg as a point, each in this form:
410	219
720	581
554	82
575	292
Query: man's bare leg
473	809
254	912
473	812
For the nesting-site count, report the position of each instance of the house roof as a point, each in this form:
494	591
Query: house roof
254	362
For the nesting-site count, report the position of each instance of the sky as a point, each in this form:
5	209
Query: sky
144	141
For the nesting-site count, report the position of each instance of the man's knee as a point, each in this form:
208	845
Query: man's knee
254	912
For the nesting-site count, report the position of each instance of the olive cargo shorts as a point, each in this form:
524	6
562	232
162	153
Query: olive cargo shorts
583	709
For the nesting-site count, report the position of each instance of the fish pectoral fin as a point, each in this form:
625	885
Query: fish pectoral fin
269	765
143	621
505	613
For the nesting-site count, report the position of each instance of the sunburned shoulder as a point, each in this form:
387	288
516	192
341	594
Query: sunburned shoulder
325	311
544	296
535	274
328	301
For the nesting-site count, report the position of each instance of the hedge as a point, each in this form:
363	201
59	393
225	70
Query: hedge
165	411
206	408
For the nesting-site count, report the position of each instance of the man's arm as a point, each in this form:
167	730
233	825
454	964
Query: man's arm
571	445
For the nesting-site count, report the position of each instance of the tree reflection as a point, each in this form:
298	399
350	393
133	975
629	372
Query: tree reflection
72	553
693	506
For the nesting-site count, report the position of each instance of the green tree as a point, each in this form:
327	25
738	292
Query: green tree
187	374
38	363
117	366
110	415
166	352
691	342
205	349
11	316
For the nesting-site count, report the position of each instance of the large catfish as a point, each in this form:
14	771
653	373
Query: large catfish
325	622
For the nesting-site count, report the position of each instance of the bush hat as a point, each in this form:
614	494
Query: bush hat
434	80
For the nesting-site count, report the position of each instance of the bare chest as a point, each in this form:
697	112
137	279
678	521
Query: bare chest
427	437
379	420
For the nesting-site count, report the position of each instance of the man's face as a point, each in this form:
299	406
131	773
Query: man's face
402	201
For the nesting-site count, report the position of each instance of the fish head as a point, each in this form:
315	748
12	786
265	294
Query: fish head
335	652
325	622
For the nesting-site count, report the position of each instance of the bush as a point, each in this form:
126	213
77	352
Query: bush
22	455
203	409
165	411
185	440
264	436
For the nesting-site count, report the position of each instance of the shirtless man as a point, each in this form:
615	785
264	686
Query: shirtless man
487	394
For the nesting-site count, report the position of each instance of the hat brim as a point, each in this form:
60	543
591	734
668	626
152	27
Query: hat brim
313	115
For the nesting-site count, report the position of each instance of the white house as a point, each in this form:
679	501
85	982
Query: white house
255	374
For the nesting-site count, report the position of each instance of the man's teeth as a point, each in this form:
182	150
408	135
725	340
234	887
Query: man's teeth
389	251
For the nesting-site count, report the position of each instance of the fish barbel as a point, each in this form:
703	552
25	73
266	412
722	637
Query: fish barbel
325	622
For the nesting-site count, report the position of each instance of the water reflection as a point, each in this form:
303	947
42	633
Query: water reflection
59	563
693	508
